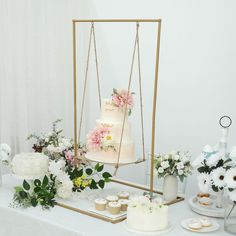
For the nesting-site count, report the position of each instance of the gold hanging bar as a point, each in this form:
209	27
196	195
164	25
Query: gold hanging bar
75	90
154	109
120	20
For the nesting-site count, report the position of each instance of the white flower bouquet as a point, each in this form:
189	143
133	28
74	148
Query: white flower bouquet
212	166
174	163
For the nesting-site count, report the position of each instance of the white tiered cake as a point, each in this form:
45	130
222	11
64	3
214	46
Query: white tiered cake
30	165
146	215
104	141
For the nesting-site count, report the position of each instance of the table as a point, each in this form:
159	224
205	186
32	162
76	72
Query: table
60	222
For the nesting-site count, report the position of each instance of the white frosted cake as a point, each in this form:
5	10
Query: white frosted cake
30	165
146	215
104	141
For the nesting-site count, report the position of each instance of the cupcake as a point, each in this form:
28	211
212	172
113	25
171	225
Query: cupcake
112	198
123	195
114	208
124	204
100	204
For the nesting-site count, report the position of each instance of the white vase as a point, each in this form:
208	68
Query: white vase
170	188
219	198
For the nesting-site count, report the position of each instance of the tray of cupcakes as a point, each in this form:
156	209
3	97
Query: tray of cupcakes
112	206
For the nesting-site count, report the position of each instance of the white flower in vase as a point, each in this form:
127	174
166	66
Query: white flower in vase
160	170
204	182
230	178
176	157
65	191
56	167
165	164
180	165
218	177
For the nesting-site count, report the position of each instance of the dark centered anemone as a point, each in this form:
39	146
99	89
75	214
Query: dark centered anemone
222	177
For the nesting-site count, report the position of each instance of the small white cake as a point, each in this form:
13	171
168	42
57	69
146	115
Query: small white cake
30	165
145	215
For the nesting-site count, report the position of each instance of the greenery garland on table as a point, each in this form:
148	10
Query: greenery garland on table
66	173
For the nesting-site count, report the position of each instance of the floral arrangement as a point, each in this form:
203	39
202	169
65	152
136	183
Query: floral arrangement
53	144
100	138
67	174
122	98
212	166
173	163
5	152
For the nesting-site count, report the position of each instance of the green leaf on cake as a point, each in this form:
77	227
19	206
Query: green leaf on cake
45	181
37	189
100	168
23	194
80	173
106	175
93	185
34	202
89	171
37	182
18	189
26	185
96	166
101	183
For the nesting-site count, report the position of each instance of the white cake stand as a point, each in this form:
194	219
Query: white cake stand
210	210
156	232
112	162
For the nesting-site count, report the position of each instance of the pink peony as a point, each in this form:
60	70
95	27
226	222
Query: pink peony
68	155
94	138
121	97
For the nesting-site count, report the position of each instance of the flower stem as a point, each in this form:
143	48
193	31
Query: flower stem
231	211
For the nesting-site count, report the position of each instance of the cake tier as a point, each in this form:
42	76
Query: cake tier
147	221
116	130
110	112
110	156
30	165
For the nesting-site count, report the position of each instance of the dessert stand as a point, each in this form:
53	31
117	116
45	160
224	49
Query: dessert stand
77	128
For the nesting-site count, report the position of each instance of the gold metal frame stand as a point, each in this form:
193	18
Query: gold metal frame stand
155	90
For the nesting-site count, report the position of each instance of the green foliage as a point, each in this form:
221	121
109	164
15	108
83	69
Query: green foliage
89	176
39	193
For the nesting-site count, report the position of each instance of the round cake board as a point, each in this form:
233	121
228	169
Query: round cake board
156	232
112	162
211	210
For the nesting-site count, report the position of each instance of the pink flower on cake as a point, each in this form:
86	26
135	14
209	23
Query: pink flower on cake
95	137
121	98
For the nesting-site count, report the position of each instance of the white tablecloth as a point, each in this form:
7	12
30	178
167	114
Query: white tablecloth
62	222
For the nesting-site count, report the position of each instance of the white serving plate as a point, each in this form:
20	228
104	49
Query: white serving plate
107	214
215	226
210	210
156	232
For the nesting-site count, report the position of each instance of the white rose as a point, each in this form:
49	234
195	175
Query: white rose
180	165
176	157
64	191
165	164
166	157
160	170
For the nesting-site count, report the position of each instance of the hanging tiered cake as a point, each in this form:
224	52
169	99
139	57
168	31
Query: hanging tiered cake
104	141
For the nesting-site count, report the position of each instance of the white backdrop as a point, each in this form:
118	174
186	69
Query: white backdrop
197	66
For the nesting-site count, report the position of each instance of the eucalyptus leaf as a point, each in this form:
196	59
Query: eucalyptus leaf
89	171
26	185
106	175
100	168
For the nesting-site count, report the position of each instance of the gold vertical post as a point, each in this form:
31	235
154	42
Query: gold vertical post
75	89
154	108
